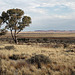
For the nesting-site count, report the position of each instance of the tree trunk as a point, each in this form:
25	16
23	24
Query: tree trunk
12	35
15	36
16	41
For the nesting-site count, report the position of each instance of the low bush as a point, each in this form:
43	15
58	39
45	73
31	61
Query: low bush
14	57
41	58
9	47
38	59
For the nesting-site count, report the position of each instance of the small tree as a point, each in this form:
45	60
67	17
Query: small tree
15	21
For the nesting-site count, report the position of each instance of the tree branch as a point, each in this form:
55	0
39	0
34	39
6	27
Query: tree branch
6	22
18	31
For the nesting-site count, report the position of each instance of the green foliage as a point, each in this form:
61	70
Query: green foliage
15	21
5	16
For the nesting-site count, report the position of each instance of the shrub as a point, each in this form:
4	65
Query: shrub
45	39
14	57
38	59
9	47
41	58
65	45
38	40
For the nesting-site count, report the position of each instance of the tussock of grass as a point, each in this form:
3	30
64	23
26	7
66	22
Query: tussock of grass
36	60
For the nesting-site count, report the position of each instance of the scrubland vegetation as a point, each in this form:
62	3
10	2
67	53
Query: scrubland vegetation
44	56
33	53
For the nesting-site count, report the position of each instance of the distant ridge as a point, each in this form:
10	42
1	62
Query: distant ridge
58	31
49	31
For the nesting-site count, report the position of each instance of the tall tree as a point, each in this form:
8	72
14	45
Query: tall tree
15	21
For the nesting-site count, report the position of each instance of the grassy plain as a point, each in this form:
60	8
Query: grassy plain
42	34
61	53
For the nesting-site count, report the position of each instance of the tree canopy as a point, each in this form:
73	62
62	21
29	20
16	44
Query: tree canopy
15	21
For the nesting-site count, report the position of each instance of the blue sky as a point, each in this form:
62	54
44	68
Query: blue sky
45	14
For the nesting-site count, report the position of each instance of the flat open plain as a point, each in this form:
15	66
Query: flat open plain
58	48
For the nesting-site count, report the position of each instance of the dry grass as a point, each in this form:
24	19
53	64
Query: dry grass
39	34
62	59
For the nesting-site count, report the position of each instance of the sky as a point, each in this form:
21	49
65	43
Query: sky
45	14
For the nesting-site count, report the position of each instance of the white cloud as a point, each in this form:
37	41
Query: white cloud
40	9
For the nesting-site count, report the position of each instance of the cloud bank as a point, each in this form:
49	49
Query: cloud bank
45	14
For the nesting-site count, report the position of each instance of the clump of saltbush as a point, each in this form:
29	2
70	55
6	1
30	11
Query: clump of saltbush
17	57
9	47
38	59
14	57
